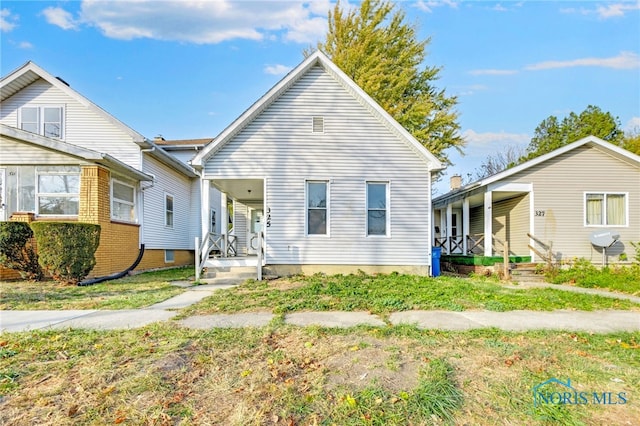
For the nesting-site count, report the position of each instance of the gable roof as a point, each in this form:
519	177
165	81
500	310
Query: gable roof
317	58
616	151
74	151
29	73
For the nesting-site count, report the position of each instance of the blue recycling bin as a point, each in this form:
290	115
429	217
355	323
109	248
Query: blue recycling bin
435	261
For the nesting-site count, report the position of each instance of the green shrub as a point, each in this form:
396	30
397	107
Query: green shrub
17	251
67	249
636	257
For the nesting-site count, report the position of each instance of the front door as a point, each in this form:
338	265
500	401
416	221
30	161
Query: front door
3	196
255	226
456	232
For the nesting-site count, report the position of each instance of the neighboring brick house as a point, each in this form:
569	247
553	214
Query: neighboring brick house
64	158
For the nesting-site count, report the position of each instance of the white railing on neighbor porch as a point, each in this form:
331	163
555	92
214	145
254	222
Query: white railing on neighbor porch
223	245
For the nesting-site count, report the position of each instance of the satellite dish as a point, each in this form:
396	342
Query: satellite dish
603	238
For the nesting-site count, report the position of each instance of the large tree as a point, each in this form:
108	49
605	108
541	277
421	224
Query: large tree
376	48
552	134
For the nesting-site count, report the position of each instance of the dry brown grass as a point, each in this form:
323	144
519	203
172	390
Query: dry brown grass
281	375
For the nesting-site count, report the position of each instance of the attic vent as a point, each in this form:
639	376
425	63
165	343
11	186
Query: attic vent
318	125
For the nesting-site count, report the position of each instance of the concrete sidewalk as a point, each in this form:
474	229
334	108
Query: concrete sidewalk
596	321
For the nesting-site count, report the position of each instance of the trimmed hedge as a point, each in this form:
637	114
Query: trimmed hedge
67	249
17	251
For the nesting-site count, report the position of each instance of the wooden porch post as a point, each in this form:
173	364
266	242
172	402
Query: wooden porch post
465	225
205	207
449	222
224	222
488	222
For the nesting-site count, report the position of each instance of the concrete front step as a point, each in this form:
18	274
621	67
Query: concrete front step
234	272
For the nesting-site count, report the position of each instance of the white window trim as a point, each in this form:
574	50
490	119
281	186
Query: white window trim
327	182
41	108
56	194
166	260
387	209
604	212
173	211
132	204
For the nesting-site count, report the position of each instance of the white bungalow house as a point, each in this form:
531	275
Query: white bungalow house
320	171
548	208
64	158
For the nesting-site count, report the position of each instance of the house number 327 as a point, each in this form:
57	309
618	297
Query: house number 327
539	212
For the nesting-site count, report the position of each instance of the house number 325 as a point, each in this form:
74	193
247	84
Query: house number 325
539	212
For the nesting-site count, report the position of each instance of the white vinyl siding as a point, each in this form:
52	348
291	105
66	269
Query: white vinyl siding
123	196
355	148
83	126
185	227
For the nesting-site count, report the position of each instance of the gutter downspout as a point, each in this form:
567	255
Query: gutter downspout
117	274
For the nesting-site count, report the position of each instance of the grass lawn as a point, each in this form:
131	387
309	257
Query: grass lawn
382	294
285	375
585	274
136	291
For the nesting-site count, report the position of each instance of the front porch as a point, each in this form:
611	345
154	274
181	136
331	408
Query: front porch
238	240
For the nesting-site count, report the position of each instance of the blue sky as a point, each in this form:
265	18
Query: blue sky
187	69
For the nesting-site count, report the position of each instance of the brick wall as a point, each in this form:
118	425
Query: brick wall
155	259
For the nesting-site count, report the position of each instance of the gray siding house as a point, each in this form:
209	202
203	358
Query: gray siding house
332	181
557	200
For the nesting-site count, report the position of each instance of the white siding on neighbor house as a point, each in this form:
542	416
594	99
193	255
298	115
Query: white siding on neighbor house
559	185
354	148
20	153
82	125
167	181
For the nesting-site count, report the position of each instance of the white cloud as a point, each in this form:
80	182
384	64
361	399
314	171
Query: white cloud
616	10
60	17
481	144
493	72
429	5
25	45
625	60
200	22
632	124
499	8
7	20
277	69
611	10
470	90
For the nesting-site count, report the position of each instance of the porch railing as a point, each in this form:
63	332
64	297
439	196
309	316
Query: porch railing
224	245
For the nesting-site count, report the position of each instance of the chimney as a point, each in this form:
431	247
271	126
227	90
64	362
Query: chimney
455	182
159	138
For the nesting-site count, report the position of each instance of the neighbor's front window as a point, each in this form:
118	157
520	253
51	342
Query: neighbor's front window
317	208
58	190
606	209
43	120
377	205
122	201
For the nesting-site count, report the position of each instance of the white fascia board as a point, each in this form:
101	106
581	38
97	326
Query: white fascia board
510	187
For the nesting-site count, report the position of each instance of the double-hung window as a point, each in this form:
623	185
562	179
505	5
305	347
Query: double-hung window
123	204
378	208
58	190
605	209
168	210
43	120
317	208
